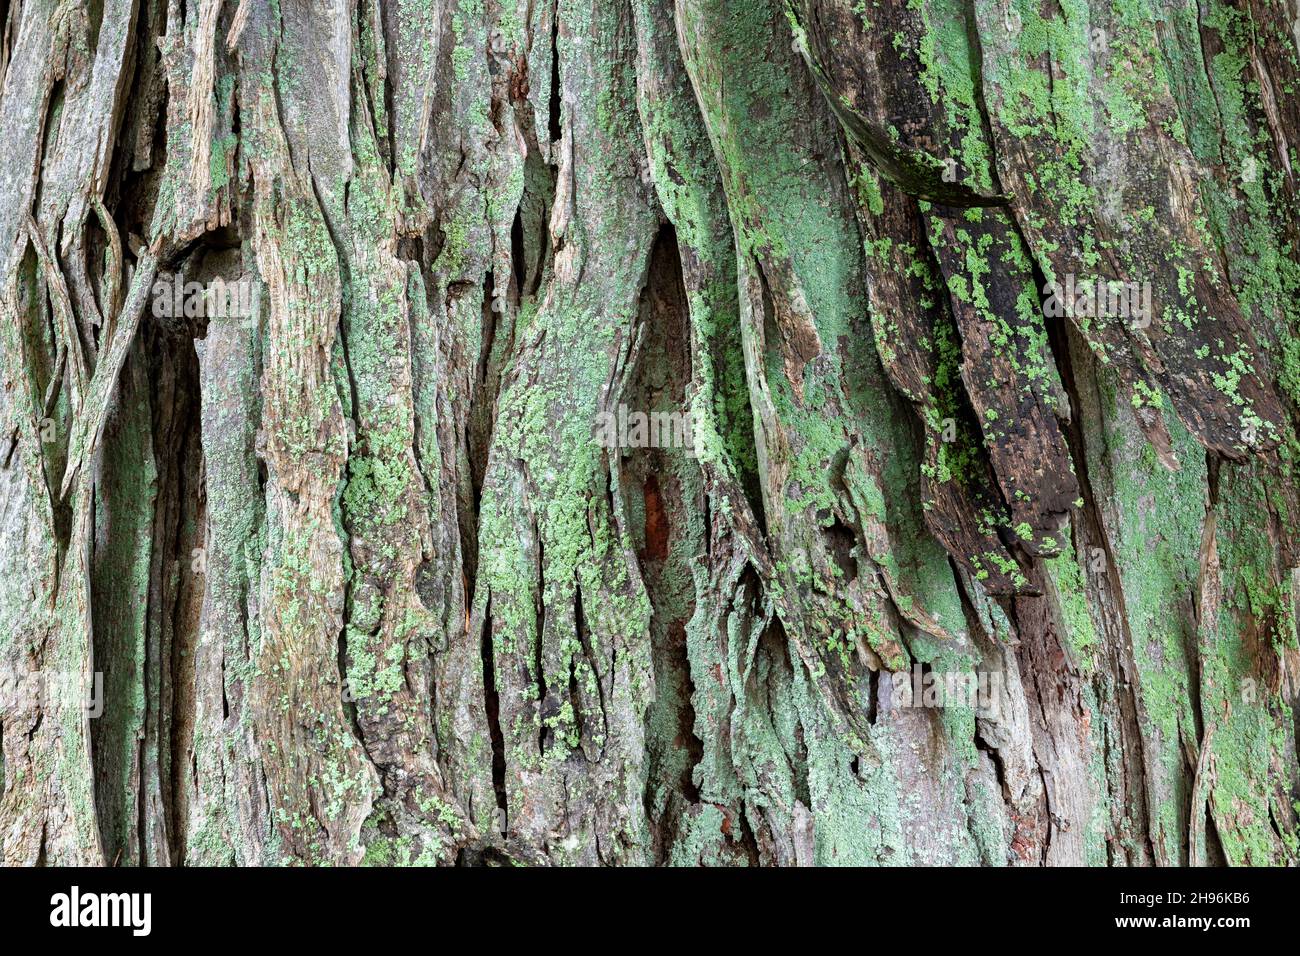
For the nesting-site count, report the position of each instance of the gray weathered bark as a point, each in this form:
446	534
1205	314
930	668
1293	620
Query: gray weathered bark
365	577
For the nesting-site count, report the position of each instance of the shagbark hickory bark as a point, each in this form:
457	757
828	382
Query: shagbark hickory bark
360	581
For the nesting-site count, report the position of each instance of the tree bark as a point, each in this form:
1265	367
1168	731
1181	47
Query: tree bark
951	566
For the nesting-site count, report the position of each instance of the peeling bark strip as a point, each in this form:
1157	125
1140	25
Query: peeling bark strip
361	580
